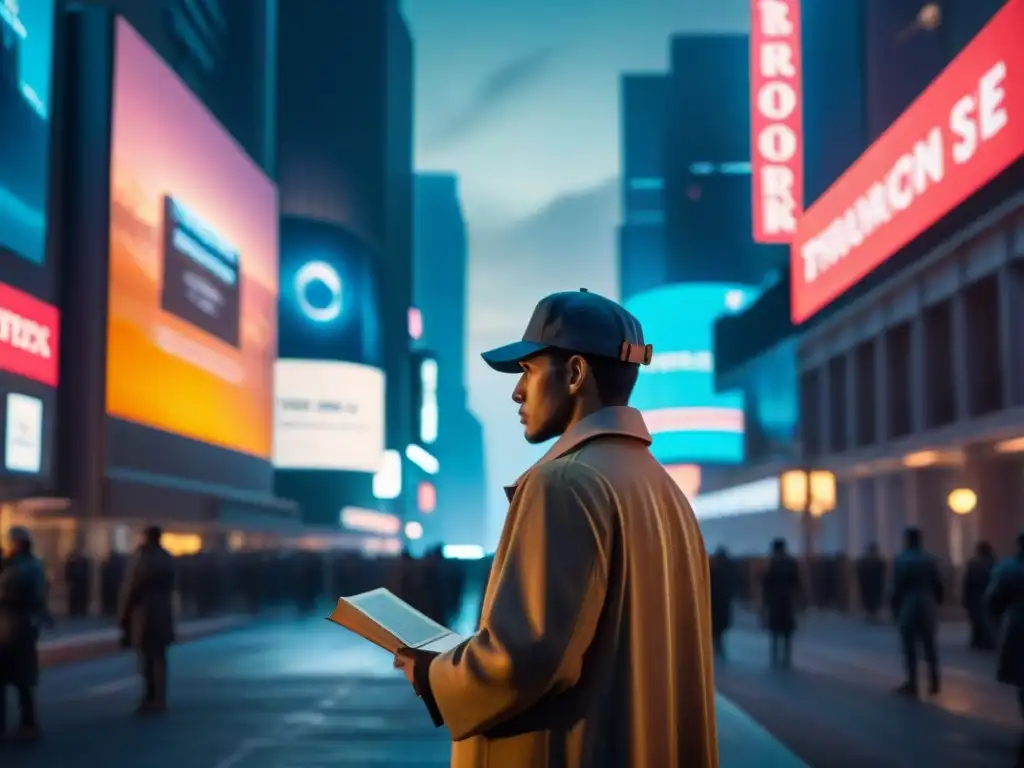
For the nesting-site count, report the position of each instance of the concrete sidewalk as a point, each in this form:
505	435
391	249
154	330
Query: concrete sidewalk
848	649
84	639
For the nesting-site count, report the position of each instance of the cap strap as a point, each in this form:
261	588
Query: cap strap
638	354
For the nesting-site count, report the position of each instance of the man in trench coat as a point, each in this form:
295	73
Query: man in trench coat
594	648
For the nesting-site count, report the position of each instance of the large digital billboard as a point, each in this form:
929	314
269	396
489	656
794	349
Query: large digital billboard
193	283
329	389
329	306
328	415
26	71
776	120
963	131
689	421
29	325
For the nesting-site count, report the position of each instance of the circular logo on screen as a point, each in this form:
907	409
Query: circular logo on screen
318	291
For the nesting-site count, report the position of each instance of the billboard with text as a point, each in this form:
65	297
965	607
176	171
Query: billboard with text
193	268
689	420
776	119
963	131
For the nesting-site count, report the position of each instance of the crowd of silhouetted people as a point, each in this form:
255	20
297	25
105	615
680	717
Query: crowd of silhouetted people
145	595
913	589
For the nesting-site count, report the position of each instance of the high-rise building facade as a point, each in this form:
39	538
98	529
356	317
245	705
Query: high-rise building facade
642	232
440	276
907	43
225	52
345	122
707	193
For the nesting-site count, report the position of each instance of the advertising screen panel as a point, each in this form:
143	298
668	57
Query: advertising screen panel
26	72
689	421
329	415
193	286
963	131
776	119
328	303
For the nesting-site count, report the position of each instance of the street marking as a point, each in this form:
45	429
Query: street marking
288	729
114	686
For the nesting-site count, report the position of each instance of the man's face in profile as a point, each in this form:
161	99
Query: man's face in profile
542	392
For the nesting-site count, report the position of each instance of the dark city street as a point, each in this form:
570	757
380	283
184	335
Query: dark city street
512	384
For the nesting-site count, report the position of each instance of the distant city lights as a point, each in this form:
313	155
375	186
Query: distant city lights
422	459
387	481
426	498
415	324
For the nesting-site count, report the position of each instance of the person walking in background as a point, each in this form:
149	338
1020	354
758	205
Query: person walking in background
917	593
147	616
595	644
723	592
977	576
22	609
1004	601
871	582
783	594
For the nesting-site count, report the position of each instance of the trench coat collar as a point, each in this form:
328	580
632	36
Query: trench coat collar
614	420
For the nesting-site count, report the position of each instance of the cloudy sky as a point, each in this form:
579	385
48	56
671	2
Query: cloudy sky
520	98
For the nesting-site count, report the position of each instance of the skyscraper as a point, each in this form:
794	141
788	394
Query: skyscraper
642	232
440	274
345	121
707	165
225	51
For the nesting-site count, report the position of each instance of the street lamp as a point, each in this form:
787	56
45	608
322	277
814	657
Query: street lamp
961	502
811	493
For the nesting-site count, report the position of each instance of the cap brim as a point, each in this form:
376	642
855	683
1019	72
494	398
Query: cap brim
506	359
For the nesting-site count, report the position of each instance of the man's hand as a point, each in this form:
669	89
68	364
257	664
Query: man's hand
409	660
405	662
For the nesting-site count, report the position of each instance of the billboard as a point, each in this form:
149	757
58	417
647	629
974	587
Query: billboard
329	389
776	120
965	129
690	422
26	74
329	306
193	280
328	415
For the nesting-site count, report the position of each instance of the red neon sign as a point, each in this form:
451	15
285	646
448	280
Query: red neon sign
776	120
29	336
966	128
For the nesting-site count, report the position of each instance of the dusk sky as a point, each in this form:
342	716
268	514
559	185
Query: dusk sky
521	100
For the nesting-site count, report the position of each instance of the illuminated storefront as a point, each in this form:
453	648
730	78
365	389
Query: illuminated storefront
912	385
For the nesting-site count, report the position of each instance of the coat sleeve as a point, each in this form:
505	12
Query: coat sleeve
547	601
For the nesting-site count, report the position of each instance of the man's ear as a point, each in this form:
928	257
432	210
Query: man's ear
577	368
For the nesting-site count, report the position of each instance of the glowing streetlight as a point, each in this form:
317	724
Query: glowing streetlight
929	17
962	501
413	531
808	491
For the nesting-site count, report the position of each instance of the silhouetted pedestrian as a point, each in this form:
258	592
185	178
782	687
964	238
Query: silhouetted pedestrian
782	591
917	592
147	616
22	610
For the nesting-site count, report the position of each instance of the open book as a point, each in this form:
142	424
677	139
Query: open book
391	623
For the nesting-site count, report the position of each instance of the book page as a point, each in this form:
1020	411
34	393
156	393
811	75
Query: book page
387	621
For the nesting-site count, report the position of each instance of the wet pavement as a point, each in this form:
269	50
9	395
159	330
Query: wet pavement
280	694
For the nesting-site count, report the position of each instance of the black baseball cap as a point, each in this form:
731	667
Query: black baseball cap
576	321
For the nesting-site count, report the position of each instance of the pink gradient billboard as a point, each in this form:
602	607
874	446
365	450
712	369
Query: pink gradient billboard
192	328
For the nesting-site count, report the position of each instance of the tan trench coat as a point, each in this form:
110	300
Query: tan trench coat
594	649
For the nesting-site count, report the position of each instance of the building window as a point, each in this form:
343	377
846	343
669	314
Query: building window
646	182
198	28
646	217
